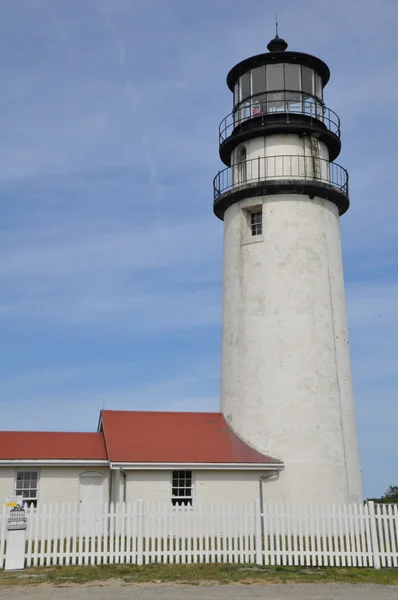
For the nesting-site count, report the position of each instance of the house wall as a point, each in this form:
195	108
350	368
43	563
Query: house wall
56	484
208	486
61	484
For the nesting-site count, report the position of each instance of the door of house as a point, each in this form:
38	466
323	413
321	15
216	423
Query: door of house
91	497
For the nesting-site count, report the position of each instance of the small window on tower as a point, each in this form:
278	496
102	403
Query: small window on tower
256	223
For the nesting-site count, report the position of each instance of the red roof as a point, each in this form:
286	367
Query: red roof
42	445
174	437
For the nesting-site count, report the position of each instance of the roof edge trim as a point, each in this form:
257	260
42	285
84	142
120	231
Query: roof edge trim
52	461
128	466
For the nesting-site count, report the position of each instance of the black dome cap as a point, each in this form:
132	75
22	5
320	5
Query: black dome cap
277	44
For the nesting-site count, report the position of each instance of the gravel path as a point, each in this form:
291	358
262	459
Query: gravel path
115	590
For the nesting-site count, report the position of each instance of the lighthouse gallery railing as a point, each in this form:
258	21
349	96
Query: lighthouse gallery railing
261	110
256	170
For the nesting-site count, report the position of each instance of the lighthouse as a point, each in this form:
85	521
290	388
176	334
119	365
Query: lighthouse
286	386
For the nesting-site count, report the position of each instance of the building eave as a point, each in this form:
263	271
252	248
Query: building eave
52	462
132	466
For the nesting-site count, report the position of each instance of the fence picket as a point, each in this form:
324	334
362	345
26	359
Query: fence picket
219	534
245	533
68	518
358	548
42	537
2	535
35	555
394	520
30	517
230	549
382	536
361	523
57	539
241	537
391	553
277	536
300	555
325	541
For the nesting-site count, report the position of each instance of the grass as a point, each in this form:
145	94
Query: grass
196	575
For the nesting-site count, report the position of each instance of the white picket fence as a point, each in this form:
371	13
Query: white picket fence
353	535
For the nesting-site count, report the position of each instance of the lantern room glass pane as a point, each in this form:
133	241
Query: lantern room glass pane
236	93
292	77
275	77
294	101
276	102
318	86
258	80
245	86
307	80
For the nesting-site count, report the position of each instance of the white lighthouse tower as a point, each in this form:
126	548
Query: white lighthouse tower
286	378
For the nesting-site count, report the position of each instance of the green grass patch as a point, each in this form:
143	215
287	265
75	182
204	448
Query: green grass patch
196	574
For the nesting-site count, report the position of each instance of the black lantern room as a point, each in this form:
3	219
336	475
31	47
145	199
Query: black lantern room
279	92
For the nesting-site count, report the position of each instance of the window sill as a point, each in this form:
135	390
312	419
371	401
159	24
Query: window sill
252	240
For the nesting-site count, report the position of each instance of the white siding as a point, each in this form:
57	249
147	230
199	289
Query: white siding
226	486
208	486
153	486
56	484
61	484
6	482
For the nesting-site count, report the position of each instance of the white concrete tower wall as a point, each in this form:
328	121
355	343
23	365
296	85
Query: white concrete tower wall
286	384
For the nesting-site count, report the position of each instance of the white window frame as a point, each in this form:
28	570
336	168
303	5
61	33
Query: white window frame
176	498
254	226
18	492
247	237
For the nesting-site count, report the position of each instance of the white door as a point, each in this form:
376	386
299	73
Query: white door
91	497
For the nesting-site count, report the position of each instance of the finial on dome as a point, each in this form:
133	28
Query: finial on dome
277	44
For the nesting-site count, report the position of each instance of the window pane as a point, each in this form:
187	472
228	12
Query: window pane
318	86
244	112
293	101
245	86
256	222
275	102
258	80
236	93
309	106
181	491
306	80
19	476
275	77
292	77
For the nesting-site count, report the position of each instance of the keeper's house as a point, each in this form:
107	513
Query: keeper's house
175	457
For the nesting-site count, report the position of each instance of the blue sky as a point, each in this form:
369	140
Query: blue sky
110	271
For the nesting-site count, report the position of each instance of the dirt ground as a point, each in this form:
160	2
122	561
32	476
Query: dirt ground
115	590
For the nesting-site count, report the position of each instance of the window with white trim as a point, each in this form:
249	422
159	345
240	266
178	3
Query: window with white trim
27	486
181	491
256	222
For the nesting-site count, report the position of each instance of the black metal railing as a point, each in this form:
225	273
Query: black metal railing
284	102
286	167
